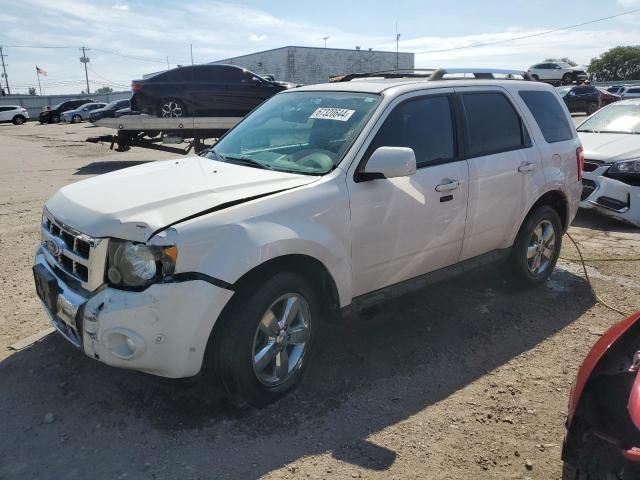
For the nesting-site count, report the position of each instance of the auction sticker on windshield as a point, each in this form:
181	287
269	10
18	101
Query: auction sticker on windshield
340	114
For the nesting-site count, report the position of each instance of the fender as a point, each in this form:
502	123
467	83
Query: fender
602	346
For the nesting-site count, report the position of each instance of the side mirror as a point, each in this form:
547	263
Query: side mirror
389	162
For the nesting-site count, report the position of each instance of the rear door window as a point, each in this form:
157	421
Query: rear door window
549	115
424	124
492	124
633	90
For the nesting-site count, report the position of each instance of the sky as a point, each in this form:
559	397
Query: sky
127	38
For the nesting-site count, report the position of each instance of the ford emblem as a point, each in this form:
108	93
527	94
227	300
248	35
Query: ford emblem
56	246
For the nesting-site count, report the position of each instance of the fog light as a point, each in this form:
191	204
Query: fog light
123	343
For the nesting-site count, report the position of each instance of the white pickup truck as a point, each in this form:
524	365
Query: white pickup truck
324	199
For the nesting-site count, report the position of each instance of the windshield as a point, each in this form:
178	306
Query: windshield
298	132
614	119
563	90
113	104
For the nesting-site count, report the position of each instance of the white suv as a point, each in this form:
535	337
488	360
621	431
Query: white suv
13	113
557	71
325	199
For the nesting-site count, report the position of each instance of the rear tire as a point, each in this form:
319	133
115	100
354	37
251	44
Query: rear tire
592	108
257	353
19	120
535	252
172	108
568	78
595	459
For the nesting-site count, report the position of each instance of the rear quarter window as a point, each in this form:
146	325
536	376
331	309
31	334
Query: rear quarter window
549	115
493	125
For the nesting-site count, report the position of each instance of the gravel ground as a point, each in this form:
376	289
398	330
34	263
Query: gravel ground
467	379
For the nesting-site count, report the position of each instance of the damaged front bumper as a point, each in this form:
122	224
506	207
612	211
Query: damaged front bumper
162	330
611	197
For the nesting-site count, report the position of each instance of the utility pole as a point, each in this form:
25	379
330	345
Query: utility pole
397	47
4	72
84	59
325	41
191	46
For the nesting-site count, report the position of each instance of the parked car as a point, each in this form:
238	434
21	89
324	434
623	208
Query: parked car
53	115
202	90
611	140
81	113
13	113
617	89
603	422
108	111
630	91
557	71
325	199
586	98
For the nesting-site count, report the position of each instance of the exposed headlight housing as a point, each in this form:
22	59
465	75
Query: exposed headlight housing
629	167
136	265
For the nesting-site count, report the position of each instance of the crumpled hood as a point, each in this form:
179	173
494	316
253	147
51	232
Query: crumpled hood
610	147
135	202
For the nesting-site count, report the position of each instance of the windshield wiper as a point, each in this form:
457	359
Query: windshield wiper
250	162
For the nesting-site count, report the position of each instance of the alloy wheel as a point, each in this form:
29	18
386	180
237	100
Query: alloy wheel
172	109
541	248
281	339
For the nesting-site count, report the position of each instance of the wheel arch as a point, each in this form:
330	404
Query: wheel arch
555	199
307	267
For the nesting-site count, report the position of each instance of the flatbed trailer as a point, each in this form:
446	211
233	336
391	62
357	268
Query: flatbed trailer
158	133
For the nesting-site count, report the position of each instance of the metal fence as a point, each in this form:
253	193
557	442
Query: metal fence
35	103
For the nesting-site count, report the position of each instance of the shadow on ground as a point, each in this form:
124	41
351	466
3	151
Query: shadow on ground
597	221
371	372
97	168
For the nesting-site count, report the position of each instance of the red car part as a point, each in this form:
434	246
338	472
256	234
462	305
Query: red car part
598	351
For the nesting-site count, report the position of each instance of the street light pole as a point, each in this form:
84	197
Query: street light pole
84	59
4	72
325	41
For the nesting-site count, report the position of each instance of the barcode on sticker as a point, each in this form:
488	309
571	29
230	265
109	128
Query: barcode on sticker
340	114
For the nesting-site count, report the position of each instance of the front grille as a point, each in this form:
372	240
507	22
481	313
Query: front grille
588	187
73	259
612	203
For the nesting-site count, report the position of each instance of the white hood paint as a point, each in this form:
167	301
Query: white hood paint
135	202
610	147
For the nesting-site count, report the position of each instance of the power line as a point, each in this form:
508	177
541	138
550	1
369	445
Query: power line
513	39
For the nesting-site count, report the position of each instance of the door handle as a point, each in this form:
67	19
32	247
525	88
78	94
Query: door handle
527	167
449	185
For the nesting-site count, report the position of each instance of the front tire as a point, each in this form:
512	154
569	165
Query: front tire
76	119
263	342
537	247
535	77
568	78
19	120
55	118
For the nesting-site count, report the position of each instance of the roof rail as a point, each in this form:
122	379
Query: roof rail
432	74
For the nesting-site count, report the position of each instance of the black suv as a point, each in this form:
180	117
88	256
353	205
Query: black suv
586	98
53	114
109	110
202	90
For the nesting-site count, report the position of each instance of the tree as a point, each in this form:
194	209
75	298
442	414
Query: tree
104	90
32	90
619	63
563	59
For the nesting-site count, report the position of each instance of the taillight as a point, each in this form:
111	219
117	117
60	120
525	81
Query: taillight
580	160
136	86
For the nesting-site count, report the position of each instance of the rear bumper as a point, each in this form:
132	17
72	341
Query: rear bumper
162	330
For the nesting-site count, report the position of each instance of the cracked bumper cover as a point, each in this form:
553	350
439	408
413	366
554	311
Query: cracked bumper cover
612	197
162	330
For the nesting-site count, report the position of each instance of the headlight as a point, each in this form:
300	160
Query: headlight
630	167
138	265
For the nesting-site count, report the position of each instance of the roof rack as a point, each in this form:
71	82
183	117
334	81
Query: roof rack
432	74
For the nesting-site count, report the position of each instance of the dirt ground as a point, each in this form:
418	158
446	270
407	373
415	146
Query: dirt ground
465	380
